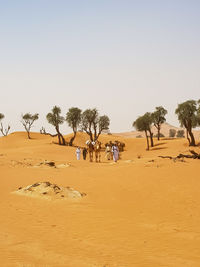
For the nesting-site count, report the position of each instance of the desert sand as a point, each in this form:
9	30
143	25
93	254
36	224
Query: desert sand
142	211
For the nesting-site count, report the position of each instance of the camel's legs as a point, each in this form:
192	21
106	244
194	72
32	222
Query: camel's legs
91	156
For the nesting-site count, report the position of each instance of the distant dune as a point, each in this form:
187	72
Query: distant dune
164	130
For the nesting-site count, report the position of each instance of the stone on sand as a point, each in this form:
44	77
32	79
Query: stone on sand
48	190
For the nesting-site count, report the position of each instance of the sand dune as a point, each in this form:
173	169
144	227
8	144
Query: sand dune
164	130
142	211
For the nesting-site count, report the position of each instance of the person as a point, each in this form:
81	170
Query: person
78	153
84	153
108	152
115	151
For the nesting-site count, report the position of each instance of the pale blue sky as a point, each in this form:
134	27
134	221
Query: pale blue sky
123	57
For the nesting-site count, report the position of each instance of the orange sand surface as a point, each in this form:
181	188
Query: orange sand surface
142	211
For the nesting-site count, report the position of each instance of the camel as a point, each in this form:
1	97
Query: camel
94	147
90	149
97	151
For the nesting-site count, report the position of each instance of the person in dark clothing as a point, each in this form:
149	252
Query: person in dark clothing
84	153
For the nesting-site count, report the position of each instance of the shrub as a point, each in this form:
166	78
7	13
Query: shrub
172	133
180	134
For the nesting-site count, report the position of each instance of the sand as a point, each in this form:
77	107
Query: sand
142	211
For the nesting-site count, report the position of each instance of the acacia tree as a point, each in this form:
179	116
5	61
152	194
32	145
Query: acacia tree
3	130
148	117
143	123
188	117
28	120
93	124
158	117
56	119
73	118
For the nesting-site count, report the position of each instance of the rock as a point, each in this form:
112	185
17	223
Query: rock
36	184
47	183
49	191
62	166
50	163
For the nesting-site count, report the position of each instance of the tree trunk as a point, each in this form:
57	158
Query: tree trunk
95	134
91	137
63	140
59	140
72	139
147	140
98	135
151	138
192	142
28	135
188	136
60	137
158	132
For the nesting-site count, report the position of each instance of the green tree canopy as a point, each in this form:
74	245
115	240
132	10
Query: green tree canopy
73	118
93	124
27	121
188	116
143	123
158	117
1	116
54	117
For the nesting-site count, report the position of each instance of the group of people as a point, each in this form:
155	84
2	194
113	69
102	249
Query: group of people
111	152
78	153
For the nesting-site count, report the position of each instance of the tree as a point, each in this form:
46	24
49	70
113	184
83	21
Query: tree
3	130
180	134
158	118
172	133
143	123
56	119
148	115
73	117
93	124
1	116
28	120
188	117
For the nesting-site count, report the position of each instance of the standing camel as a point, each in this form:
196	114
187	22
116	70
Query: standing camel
90	148
97	151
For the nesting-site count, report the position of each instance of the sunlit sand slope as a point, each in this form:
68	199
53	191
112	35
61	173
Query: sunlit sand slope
142	211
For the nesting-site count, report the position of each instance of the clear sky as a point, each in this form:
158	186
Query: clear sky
124	57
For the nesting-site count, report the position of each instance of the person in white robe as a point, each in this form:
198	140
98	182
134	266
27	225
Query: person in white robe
78	153
115	151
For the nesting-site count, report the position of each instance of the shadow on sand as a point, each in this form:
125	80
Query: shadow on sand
159	144
159	148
